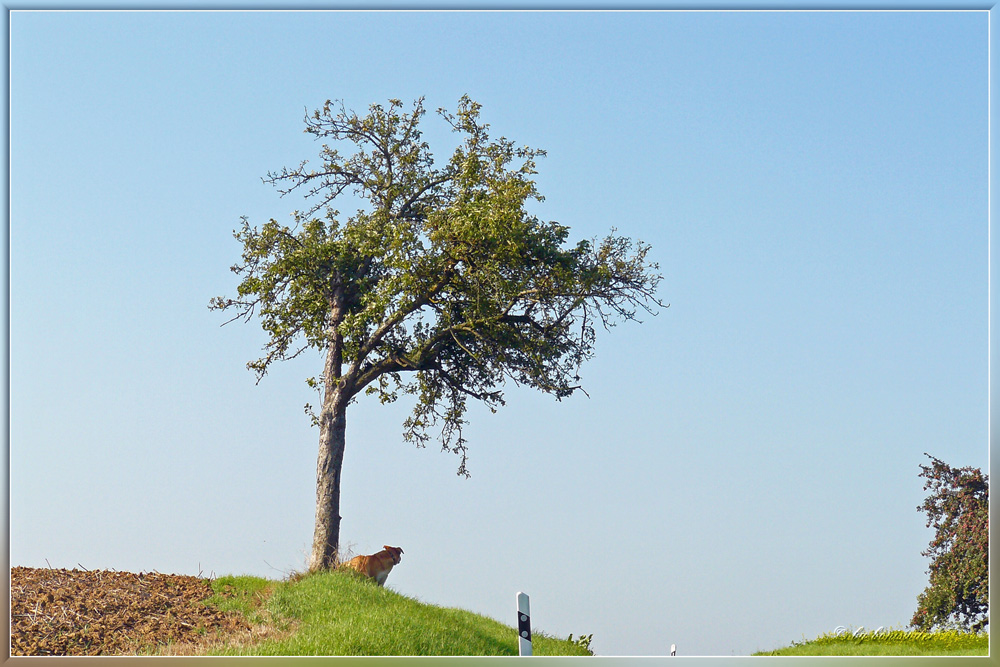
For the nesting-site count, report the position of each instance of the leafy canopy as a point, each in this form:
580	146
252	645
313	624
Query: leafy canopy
443	286
958	595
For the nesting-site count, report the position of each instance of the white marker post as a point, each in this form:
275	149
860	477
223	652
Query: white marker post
523	625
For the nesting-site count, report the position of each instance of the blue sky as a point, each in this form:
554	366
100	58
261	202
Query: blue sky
744	472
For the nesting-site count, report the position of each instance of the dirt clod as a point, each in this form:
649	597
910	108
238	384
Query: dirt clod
100	612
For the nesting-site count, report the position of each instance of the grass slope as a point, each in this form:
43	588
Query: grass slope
896	642
342	613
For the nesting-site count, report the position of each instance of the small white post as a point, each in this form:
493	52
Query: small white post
673	649
523	625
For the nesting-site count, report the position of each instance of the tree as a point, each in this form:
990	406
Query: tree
442	287
958	508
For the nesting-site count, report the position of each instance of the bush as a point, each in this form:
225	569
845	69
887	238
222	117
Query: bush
958	595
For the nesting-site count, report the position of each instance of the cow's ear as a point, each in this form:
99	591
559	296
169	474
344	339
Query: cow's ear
386	546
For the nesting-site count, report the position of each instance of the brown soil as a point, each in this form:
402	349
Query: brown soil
80	612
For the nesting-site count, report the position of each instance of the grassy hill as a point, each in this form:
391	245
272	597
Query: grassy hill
896	642
342	613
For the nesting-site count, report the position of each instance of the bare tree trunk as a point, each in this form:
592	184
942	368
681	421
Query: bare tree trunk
332	437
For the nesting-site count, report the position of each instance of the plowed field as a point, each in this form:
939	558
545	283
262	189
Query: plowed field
79	612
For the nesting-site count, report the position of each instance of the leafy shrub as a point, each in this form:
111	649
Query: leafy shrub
958	595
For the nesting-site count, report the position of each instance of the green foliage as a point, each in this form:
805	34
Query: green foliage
443	277
343	613
893	642
583	641
958	509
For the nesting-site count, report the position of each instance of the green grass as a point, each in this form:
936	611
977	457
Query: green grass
895	642
246	595
342	613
